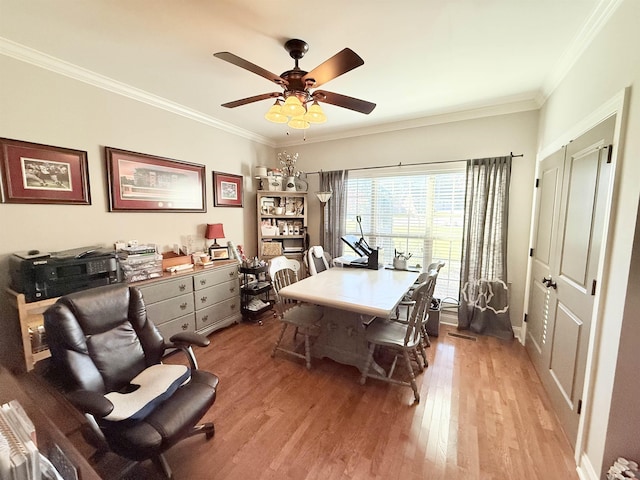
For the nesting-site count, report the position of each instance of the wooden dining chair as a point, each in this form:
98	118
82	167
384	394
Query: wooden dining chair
404	338
404	307
303	317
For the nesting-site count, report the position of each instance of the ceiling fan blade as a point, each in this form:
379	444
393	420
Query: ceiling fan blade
343	101
340	63
256	98
242	63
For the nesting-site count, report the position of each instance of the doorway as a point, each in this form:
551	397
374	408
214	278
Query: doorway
574	185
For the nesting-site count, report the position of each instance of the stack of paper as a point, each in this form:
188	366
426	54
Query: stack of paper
19	457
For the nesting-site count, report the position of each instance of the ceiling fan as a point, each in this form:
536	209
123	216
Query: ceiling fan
296	85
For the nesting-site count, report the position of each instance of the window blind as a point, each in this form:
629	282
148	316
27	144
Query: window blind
420	212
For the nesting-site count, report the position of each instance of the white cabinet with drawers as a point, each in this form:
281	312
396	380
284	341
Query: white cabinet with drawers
217	298
198	301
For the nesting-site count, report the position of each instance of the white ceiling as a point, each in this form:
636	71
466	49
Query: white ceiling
422	57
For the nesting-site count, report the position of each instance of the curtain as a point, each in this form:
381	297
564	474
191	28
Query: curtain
484	294
335	210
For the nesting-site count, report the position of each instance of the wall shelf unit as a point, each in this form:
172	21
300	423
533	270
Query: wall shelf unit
282	224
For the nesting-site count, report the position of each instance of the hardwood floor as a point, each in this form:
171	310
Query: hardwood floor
483	415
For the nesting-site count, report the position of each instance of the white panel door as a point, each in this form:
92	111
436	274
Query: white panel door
546	229
563	289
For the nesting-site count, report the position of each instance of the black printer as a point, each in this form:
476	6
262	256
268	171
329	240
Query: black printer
41	275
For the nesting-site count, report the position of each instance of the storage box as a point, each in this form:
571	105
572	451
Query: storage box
170	259
271	249
269	230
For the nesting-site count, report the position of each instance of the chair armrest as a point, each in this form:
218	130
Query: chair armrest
185	339
91	402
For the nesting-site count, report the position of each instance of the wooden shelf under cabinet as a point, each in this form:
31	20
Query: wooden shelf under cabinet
30	315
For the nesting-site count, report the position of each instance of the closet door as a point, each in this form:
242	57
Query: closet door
563	284
540	320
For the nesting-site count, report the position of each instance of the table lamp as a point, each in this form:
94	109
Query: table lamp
213	232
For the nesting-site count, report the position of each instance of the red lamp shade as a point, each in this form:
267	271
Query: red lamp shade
214	231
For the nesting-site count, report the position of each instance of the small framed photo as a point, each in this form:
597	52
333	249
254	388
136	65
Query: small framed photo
227	190
35	173
219	253
145	183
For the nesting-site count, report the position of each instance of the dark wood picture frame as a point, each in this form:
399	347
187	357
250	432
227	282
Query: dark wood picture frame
36	173
146	183
228	190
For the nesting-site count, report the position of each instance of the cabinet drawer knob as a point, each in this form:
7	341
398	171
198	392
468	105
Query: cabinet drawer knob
205	318
203	282
185	326
182	287
183	306
203	299
232	289
231	274
233	306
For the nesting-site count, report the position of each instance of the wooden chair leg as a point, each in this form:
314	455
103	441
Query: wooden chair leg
368	363
282	330
423	354
425	337
414	386
307	351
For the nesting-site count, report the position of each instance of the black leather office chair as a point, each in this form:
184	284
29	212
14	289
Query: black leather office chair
103	345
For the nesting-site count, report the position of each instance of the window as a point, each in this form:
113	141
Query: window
417	212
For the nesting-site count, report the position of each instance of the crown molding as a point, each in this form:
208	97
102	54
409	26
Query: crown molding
505	108
598	18
48	62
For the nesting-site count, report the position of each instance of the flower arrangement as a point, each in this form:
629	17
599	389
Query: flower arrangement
288	163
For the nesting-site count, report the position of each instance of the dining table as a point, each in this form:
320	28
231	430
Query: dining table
351	298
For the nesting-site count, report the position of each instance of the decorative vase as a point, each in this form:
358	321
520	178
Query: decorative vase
290	184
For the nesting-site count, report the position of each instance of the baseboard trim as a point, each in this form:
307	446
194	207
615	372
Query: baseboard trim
585	469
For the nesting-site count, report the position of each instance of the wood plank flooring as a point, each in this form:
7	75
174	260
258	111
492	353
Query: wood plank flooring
483	415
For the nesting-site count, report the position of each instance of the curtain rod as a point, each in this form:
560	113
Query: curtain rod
400	164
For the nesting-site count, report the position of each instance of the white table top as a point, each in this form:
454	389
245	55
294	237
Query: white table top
360	290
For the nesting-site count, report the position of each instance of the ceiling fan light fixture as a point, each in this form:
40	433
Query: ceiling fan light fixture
293	107
299	123
275	114
315	114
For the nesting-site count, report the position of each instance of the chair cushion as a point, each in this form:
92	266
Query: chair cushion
147	390
165	425
303	314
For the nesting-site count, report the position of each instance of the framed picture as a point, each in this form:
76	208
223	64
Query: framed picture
227	190
145	183
219	253
34	173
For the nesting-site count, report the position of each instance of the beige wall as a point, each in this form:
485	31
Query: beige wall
611	63
44	107
484	137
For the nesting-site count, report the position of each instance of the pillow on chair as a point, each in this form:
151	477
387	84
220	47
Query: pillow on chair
146	390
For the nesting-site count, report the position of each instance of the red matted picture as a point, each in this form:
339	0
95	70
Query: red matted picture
146	183
34	173
227	190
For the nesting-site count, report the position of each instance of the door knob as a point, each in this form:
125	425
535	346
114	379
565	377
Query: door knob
549	283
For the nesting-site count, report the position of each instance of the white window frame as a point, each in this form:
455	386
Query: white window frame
449	277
